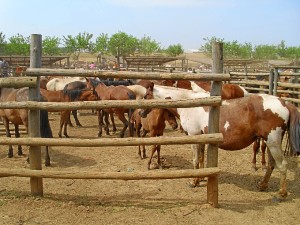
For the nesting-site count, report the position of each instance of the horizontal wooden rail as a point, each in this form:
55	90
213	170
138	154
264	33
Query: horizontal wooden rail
128	74
104	104
103	142
248	74
18	82
250	82
147	175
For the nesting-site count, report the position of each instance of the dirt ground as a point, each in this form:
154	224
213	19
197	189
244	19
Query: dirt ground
79	202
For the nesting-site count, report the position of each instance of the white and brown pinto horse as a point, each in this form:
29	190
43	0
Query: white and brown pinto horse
242	121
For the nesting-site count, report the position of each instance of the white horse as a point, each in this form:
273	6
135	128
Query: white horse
57	84
242	121
139	90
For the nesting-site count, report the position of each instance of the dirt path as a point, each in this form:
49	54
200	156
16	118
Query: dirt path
143	202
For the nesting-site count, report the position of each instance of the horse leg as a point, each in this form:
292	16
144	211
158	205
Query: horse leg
112	119
255	148
275	155
196	162
125	123
263	155
151	155
17	135
10	153
105	116
66	120
160	166
74	113
47	156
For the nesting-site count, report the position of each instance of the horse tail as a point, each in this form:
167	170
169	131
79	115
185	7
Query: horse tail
130	113
294	128
45	127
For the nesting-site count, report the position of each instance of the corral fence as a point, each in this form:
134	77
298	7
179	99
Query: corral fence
34	141
276	82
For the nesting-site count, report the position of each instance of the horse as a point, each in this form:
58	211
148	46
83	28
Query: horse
231	91
20	117
152	121
115	93
67	96
57	84
72	86
103	115
263	116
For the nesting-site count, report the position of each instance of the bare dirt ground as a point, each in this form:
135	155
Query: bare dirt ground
143	202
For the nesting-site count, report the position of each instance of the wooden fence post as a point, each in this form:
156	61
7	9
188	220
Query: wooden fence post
271	81
275	81
213	124
36	184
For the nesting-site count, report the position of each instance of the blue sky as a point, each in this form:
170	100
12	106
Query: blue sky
168	22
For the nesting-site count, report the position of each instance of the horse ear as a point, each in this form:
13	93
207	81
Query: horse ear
151	86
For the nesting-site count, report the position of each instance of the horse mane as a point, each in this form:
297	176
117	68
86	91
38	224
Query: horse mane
73	94
108	82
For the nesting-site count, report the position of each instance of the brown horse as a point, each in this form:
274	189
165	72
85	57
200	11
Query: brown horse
242	121
67	96
72	86
113	92
152	121
20	117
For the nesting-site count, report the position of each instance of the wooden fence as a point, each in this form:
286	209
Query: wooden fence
270	82
35	141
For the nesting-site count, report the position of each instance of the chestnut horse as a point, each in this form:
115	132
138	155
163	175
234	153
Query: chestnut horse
67	96
20	117
242	121
152	121
119	92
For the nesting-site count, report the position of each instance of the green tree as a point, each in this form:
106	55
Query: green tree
147	46
207	47
292	52
51	46
101	44
18	45
78	44
2	43
265	52
281	49
174	50
122	44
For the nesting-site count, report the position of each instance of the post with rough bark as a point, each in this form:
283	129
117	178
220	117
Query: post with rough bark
213	123
36	184
275	81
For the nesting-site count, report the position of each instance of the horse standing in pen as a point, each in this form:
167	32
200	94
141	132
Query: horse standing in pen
264	116
119	92
67	96
20	117
59	83
152	121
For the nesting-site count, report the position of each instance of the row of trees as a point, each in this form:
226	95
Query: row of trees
233	49
119	43
123	44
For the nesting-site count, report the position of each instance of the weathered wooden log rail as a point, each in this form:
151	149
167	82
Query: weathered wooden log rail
96	142
273	86
127	74
104	104
148	175
35	142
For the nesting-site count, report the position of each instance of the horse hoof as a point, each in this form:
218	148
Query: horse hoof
262	187
47	163
10	155
20	153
